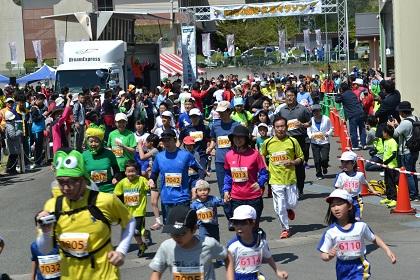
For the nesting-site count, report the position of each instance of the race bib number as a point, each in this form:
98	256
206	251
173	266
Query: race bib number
118	151
239	174
49	266
205	215
223	142
173	180
99	176
197	135
249	261
279	157
293	124
188	273
75	244
349	246
132	198
351	186
318	136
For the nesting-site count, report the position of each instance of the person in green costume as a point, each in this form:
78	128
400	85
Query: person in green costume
101	164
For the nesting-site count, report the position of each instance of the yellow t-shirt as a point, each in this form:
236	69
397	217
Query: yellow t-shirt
135	195
278	151
80	233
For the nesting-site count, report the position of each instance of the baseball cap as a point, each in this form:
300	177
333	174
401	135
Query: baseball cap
348	155
316	107
262	125
244	212
167	114
9	99
340	193
223	106
168	133
238	101
202	184
188	140
195	112
121	117
59	101
358	81
121	93
185	87
180	219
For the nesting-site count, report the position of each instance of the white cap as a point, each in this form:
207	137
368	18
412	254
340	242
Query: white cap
257	79
59	101
185	87
167	114
263	84
349	155
9	116
121	117
358	81
195	111
339	193
244	212
9	99
160	89
171	93
223	106
262	125
121	93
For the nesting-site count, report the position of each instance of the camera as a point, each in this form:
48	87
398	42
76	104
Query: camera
47	220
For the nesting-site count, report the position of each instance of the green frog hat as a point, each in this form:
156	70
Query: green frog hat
69	164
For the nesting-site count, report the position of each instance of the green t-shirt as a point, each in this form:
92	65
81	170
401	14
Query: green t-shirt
135	195
99	167
279	150
244	118
128	139
390	146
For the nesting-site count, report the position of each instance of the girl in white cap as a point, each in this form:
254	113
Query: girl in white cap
345	238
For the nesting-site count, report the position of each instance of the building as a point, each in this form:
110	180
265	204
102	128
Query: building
400	44
367	32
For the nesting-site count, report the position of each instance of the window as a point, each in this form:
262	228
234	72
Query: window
105	5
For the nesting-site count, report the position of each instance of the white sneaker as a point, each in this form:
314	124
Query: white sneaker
382	174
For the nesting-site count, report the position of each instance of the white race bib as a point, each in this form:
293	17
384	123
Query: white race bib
74	243
49	266
349	246
205	215
318	136
293	124
188	273
99	176
278	158
132	198
197	135
239	174
223	142
173	180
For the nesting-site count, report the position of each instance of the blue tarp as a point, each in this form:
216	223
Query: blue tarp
4	79
43	73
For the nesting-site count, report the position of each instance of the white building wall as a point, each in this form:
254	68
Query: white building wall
11	13
406	49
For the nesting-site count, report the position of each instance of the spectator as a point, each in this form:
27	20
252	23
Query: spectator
79	116
389	103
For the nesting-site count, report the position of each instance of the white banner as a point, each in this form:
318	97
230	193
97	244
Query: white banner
282	41
13	56
60	50
189	54
205	44
318	38
275	9
38	51
306	40
230	42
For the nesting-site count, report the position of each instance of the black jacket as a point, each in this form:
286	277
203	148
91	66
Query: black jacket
352	106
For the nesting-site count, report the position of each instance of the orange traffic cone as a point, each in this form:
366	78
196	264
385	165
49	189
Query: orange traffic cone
403	198
361	168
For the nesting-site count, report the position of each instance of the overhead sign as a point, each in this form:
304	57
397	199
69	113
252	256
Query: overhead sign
275	9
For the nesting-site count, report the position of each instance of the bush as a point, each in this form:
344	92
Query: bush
30	65
49	62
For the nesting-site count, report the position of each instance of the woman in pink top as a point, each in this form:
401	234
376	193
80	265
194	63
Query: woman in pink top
246	173
59	135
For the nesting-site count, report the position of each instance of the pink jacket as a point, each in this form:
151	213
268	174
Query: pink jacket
56	133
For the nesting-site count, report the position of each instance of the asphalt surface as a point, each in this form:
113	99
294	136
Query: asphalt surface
22	196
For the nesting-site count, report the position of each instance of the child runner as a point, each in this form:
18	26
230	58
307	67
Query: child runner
188	256
351	180
44	266
132	190
263	130
249	247
345	239
206	207
390	159
193	175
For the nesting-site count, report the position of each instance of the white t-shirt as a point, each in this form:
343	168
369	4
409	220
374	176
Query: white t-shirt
141	138
349	243
182	97
352	184
218	94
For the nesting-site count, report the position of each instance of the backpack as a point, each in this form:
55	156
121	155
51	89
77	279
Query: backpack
94	211
378	186
413	144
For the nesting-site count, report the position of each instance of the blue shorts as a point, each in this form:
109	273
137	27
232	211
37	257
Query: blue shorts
358	269
358	207
142	164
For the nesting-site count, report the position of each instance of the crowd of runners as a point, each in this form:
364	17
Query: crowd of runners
116	151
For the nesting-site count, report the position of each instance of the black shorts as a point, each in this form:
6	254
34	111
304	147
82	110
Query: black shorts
140	225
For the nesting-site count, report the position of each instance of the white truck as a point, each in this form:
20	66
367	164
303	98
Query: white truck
91	63
107	64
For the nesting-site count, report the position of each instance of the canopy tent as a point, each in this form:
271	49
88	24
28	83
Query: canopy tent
43	73
4	79
171	64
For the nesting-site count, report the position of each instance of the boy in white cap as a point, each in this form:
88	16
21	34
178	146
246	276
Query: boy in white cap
249	247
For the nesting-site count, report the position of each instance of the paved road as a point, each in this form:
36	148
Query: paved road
22	196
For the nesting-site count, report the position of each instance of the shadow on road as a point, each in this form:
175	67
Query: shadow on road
314	195
267	219
13	179
284	258
370	248
307	228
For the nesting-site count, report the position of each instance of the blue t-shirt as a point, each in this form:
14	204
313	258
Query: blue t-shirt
36	253
203	207
173	169
219	131
184	120
306	96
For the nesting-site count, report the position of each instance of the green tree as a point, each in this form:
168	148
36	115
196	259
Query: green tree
29	65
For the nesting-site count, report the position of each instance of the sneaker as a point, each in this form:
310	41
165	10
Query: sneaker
142	249
365	147
291	214
231	227
324	171
284	234
307	166
382	174
357	148
147	237
319	177
384	201
392	204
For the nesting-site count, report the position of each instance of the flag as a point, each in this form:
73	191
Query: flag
306	40
189	61
205	44
38	51
318	38
13	56
60	50
282	41
230	42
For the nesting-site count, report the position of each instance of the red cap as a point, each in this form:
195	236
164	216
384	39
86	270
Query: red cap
188	140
